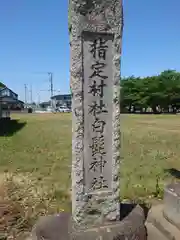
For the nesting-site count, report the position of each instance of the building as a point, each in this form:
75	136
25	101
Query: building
62	100
44	105
8	100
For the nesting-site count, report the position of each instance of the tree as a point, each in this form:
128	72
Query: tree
162	91
2	85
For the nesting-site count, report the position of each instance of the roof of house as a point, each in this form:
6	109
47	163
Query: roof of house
21	102
2	88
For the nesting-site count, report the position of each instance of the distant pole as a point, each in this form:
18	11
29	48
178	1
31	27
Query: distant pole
51	85
39	99
25	89
31	95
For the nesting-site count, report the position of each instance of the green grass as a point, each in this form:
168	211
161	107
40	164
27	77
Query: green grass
37	159
42	149
150	146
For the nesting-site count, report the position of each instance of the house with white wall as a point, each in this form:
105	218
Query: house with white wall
7	99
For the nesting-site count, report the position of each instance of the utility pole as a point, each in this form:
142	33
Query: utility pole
51	90
31	96
25	89
39	99
51	83
51	86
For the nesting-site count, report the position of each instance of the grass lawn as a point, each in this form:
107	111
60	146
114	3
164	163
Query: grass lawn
38	159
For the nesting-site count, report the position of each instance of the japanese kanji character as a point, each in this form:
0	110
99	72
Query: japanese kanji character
98	145
97	89
98	125
98	163
97	70
99	48
99	183
96	108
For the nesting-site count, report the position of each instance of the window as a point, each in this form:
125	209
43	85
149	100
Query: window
5	92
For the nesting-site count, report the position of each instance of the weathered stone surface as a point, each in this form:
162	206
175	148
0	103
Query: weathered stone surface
95	195
154	233
156	217
53	227
131	228
172	203
61	228
98	123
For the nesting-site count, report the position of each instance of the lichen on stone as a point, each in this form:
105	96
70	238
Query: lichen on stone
69	16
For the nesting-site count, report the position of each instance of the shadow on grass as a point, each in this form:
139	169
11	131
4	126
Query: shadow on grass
173	172
10	127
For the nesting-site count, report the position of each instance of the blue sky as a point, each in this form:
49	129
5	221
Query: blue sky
34	40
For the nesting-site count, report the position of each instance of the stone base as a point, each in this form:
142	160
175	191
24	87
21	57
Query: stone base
156	218
61	227
171	209
112	232
54	227
131	228
154	233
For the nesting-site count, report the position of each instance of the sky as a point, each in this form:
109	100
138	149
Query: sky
34	40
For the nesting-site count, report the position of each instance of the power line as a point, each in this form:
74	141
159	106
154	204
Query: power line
51	90
43	90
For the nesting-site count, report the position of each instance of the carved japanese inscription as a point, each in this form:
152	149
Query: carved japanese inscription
98	104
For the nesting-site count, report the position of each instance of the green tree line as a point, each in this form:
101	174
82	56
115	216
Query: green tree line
159	93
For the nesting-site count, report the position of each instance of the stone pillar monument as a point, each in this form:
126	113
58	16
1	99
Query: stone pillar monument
95	28
95	39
